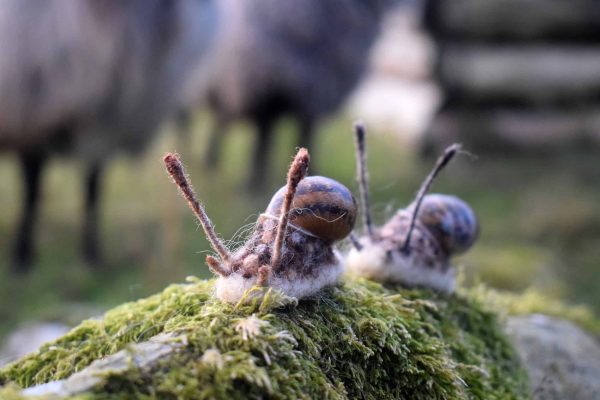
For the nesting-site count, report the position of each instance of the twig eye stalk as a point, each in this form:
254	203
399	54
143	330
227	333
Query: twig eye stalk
414	247
292	246
442	161
177	172
362	175
296	173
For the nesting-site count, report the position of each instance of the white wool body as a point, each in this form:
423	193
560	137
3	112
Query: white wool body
373	262
232	288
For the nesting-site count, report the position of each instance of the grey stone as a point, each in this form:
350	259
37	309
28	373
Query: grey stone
137	357
563	361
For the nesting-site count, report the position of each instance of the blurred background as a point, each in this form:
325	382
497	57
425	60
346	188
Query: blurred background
92	94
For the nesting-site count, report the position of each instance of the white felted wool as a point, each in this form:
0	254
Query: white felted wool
232	288
373	262
369	262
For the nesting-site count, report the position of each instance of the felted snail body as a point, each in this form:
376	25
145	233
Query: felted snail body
414	247
291	247
445	226
323	211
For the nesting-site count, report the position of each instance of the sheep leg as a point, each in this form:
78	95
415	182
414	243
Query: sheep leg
90	246
258	176
215	142
22	256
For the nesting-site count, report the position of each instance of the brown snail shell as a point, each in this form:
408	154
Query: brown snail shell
451	221
322	207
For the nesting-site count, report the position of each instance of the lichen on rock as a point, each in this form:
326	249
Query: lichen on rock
356	340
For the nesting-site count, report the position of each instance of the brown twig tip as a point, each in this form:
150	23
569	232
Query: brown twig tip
296	173
359	133
441	162
298	168
169	158
174	167
177	172
445	158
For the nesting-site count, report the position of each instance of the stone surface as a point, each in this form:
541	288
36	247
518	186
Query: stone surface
139	357
562	360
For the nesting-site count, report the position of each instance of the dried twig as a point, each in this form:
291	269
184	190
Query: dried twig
362	175
177	172
296	173
441	162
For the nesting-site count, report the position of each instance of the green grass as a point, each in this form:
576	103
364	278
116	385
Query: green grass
540	218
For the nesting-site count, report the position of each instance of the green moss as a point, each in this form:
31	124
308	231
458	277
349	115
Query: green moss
359	340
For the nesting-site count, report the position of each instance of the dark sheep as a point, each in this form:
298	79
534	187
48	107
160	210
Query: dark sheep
90	78
276	57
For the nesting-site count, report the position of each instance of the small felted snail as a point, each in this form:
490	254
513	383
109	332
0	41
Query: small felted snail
414	247
291	248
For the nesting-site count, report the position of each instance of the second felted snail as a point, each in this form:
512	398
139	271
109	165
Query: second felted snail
415	246
292	246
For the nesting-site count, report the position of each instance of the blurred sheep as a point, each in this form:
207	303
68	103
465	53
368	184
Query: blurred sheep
284	57
89	78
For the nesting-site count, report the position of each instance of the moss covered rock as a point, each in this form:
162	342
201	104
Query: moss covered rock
358	340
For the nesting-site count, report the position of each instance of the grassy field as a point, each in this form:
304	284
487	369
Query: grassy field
540	218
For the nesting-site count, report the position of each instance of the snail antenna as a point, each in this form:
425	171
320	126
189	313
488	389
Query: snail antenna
441	162
296	173
177	173
362	175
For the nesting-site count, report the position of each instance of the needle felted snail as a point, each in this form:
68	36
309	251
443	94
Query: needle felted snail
414	247
291	247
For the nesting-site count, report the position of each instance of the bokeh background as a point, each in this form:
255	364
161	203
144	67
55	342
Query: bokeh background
519	87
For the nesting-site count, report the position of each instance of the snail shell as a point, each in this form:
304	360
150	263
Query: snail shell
450	220
322	207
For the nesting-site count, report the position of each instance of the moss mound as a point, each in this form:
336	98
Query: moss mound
358	340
